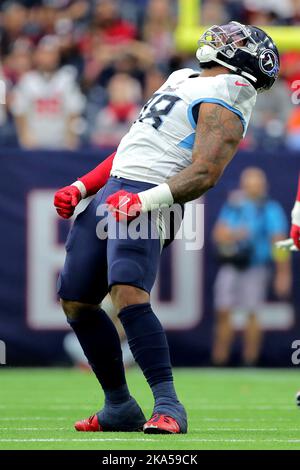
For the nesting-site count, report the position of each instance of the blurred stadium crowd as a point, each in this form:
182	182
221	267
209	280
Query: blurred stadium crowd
78	71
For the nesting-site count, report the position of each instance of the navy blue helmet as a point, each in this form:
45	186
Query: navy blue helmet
245	50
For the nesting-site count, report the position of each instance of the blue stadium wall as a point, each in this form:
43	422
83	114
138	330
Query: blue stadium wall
31	244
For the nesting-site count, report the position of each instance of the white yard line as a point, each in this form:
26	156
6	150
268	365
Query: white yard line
78	440
188	440
202	430
205	419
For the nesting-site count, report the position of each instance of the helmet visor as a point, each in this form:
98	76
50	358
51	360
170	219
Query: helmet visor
228	38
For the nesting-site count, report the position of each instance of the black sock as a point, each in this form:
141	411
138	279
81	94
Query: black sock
100	342
149	346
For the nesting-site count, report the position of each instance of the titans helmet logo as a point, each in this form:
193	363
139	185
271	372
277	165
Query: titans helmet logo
268	63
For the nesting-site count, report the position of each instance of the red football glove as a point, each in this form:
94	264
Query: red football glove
65	201
295	235
124	205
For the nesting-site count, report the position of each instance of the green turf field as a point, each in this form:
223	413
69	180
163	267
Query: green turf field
228	409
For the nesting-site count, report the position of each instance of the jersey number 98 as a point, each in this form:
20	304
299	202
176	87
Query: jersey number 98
156	108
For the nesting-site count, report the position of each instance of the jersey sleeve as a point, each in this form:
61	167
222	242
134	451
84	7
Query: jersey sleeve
175	78
231	91
96	178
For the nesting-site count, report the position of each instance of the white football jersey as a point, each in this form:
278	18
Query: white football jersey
159	144
48	102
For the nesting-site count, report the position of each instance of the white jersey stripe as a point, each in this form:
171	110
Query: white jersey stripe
215	101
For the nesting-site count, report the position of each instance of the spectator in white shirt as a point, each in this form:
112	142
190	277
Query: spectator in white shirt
47	102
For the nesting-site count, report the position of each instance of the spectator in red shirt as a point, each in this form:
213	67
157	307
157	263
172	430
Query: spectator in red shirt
108	23
115	119
108	27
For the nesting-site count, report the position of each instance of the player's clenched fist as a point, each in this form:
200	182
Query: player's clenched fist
124	205
66	199
127	206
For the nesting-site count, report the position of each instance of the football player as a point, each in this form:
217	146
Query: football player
177	150
295	228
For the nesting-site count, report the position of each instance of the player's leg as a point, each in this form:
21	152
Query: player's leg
82	285
109	308
132	268
74	351
149	346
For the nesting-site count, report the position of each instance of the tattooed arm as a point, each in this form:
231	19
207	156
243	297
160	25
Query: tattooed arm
218	134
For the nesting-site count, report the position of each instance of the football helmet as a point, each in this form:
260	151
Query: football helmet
245	50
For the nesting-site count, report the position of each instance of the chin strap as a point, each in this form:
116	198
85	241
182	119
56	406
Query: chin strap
210	54
236	69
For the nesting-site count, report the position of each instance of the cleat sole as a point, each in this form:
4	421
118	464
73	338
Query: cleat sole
156	430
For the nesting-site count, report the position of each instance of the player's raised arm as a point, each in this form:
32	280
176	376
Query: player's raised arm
218	134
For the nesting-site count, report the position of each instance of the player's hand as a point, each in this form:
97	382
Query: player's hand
65	201
124	205
295	235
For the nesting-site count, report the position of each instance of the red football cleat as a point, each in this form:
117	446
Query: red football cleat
161	424
90	424
125	417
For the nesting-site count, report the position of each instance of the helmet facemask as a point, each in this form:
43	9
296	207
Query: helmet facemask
226	40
